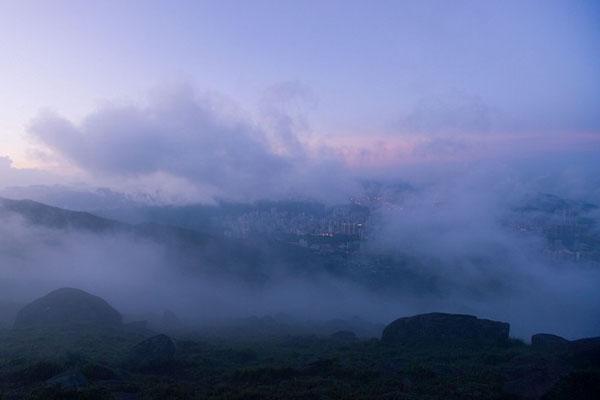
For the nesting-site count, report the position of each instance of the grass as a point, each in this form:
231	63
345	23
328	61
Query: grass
286	367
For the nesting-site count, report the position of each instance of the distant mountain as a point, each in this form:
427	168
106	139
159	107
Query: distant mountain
57	218
294	239
254	259
275	219
186	249
79	198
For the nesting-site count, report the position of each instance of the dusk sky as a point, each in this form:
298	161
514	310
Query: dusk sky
362	84
329	181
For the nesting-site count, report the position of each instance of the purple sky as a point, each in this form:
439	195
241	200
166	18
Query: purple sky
170	91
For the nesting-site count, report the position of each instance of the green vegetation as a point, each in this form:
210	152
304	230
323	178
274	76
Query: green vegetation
286	367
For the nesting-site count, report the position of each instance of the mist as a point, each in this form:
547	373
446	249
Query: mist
139	277
447	245
462	232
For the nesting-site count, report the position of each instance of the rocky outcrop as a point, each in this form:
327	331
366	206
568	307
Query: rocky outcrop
67	307
153	352
444	329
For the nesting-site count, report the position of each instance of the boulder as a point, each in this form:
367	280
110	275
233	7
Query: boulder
443	329
152	352
549	343
67	307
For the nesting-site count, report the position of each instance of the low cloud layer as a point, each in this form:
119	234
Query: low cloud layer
447	246
460	235
140	276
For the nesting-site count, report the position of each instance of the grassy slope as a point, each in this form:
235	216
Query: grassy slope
292	367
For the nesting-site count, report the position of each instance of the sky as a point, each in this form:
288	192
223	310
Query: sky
358	84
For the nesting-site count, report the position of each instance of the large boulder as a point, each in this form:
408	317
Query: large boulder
444	329
67	307
153	352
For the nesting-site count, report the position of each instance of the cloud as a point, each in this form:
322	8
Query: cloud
141	275
181	146
284	109
197	141
455	235
442	242
177	134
